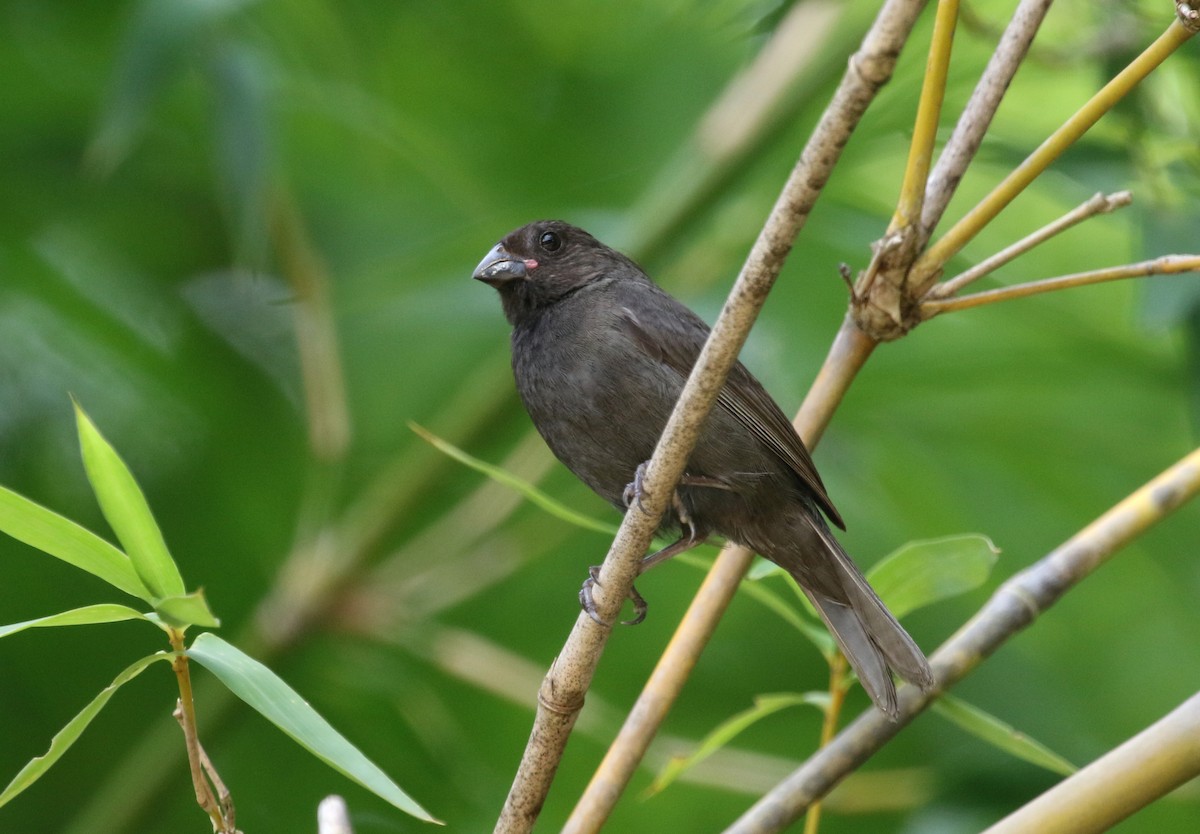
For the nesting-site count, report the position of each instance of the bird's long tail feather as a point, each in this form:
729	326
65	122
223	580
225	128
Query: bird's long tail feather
870	637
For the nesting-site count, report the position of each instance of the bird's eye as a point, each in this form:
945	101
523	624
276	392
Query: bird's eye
550	241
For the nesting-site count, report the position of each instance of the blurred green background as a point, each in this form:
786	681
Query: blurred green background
241	235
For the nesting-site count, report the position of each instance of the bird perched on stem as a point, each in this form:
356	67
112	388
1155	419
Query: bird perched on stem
600	355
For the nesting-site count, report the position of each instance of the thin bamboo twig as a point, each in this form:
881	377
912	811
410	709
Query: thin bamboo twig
1146	767
1012	608
1098	204
1165	265
185	714
838	688
929	111
977	116
849	352
224	797
930	264
561	696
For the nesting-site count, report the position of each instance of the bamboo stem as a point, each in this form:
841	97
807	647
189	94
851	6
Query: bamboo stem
929	110
1155	761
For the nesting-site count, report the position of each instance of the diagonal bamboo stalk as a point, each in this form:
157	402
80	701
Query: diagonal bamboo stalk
1011	609
1121	782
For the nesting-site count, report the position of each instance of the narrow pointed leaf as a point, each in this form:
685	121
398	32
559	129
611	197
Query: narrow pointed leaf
186	610
63	539
991	729
263	690
923	572
129	515
532	493
87	615
69	734
726	731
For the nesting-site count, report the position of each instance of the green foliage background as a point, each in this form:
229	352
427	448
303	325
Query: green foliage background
144	144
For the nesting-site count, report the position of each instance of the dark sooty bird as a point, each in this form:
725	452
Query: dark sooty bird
600	354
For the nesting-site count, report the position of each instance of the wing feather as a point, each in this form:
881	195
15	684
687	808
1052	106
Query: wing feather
742	396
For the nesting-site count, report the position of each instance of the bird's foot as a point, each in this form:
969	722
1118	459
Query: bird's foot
588	603
635	490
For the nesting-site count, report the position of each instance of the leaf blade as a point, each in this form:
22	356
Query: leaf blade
69	734
124	506
987	727
263	690
105	612
51	533
525	488
922	572
727	730
186	610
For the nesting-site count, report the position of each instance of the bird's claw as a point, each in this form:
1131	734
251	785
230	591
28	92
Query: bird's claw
685	518
588	603
634	491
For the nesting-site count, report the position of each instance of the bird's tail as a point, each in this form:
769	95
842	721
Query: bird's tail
870	637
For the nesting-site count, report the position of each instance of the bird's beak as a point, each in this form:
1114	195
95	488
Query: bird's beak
498	267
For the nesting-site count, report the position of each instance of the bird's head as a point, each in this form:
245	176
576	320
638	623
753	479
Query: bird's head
542	262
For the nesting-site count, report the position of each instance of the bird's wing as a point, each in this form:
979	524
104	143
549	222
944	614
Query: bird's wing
677	342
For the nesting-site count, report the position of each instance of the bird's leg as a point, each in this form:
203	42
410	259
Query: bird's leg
684	543
634	492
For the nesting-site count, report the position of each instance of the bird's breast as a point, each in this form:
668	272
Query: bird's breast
589	400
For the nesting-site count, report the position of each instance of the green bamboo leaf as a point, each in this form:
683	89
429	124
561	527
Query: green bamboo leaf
125	507
525	488
63	539
726	731
263	690
186	610
69	734
923	572
103	613
991	729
